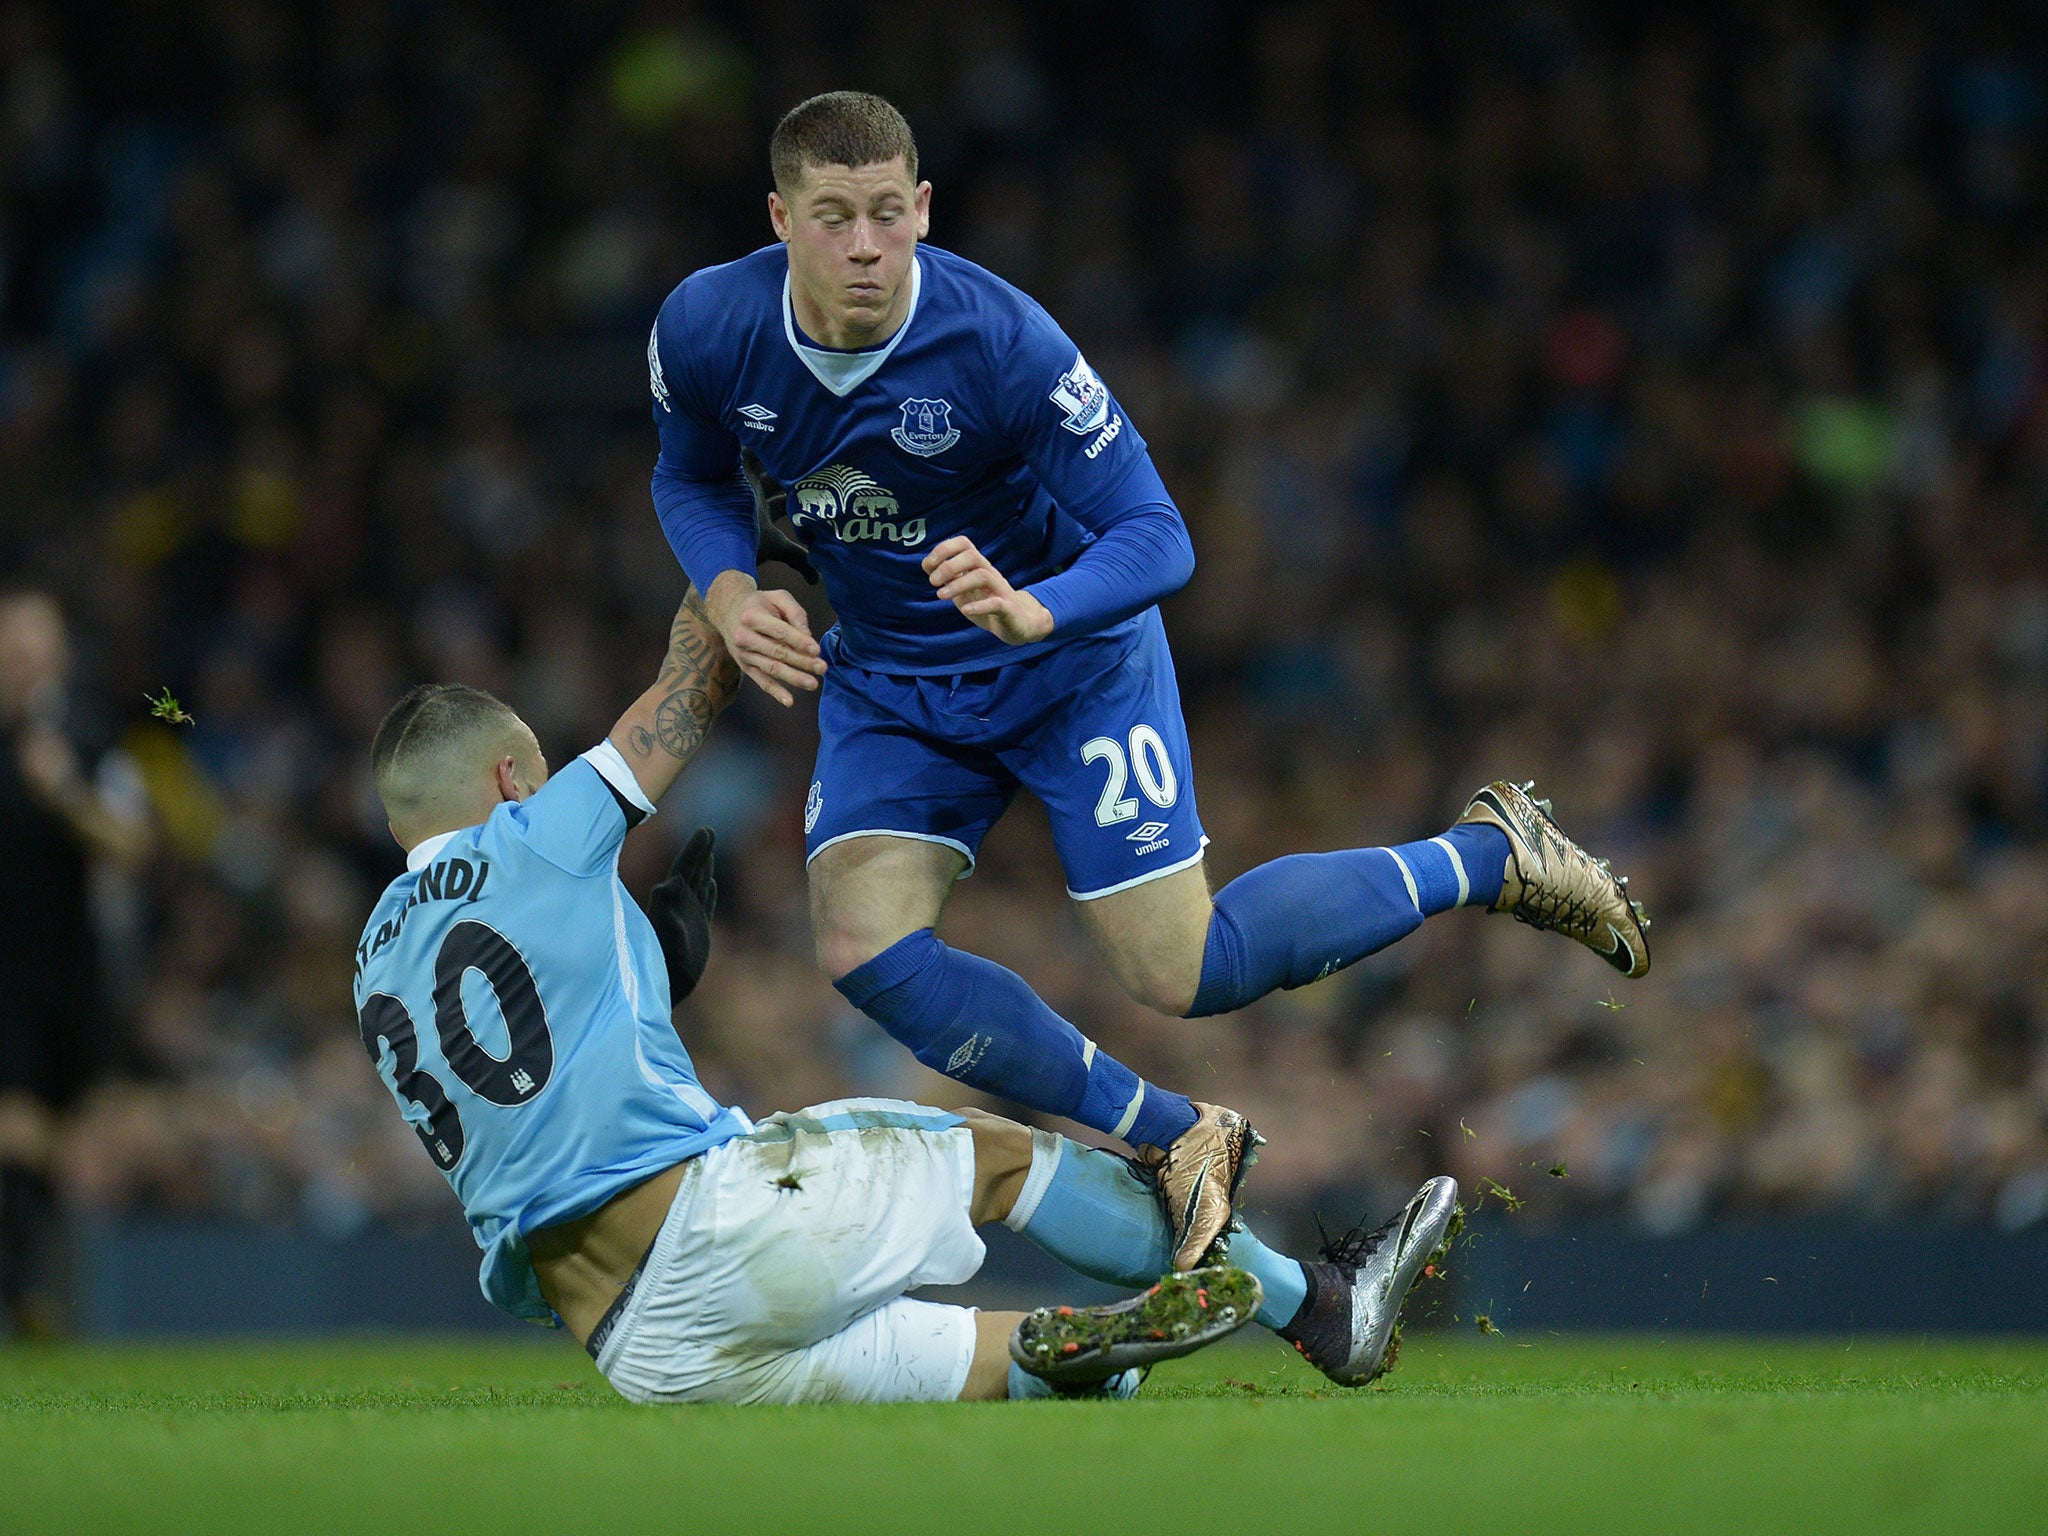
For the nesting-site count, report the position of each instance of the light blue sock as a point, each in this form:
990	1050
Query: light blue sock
1089	1210
1024	1385
982	1025
1093	1212
1286	1285
1300	918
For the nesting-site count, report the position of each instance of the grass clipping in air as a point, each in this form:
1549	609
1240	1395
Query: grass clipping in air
167	709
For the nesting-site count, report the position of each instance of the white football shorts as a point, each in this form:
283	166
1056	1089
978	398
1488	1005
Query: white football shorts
779	1274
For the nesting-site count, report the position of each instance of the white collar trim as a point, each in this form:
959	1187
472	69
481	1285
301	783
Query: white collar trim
843	372
423	853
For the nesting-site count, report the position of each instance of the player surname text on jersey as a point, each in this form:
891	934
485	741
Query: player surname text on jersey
449	880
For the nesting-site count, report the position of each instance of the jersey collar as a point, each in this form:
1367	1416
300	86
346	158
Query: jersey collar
423	853
843	372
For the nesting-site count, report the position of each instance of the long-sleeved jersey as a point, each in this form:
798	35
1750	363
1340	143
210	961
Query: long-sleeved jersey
977	417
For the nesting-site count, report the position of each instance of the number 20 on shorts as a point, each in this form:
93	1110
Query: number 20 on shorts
1146	760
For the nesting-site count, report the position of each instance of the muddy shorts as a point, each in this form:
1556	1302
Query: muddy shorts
779	1275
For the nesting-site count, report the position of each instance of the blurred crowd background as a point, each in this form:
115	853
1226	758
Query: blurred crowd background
1644	400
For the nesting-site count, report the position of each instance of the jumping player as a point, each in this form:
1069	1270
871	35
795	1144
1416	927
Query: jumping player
516	1001
994	538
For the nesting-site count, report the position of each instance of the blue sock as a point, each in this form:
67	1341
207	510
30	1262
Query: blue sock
1092	1213
1297	919
981	1025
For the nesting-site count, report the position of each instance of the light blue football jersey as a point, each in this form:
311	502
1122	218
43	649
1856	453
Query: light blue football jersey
979	417
515	1002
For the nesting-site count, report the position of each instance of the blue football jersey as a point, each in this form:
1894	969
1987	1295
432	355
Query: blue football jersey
978	417
515	1002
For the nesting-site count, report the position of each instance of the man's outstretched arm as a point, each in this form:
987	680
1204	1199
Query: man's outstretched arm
667	724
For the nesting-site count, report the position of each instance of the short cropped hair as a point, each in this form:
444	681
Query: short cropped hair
434	742
850	128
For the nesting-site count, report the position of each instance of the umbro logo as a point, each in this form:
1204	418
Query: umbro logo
969	1054
1150	838
758	417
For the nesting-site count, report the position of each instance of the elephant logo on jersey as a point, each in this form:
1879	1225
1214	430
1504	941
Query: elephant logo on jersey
853	506
927	428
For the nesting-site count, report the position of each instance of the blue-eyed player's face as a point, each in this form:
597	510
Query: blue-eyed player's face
851	233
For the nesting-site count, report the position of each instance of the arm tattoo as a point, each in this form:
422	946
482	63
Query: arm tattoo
680	722
700	679
696	654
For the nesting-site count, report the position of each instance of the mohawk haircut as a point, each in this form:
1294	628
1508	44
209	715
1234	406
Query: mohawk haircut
850	128
432	741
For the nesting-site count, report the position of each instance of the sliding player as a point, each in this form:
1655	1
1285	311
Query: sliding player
994	538
516	1003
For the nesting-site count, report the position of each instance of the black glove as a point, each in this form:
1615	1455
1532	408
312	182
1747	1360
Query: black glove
680	908
769	500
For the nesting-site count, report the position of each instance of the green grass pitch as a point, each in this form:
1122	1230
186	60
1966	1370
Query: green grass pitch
1497	1435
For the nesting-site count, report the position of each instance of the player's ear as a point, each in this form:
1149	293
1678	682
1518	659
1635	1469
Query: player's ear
922	201
778	216
506	776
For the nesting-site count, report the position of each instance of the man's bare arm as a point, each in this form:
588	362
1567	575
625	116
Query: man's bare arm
668	723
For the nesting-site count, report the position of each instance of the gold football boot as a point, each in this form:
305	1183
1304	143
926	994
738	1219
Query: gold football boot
1553	883
1198	1178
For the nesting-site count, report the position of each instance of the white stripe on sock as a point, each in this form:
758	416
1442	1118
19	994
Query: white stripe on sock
1088	1046
1130	1112
1464	885
1046	1150
1407	878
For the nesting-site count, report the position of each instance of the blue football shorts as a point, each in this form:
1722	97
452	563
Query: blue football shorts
1093	728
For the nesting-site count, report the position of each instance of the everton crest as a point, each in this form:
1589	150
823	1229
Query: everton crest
927	428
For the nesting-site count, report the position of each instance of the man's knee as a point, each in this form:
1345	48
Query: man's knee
1164	983
1161	968
847	934
843	949
873	892
1152	937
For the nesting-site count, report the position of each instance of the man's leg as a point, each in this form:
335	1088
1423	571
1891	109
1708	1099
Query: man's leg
31	1221
1005	1156
991	1378
1097	1215
1108	754
874	903
1287	923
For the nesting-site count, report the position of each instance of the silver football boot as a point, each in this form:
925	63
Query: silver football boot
1346	1325
1554	884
